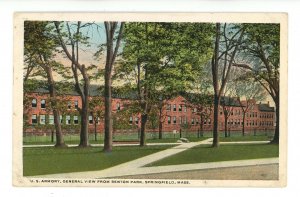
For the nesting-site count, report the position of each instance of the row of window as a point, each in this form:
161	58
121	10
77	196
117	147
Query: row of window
42	119
266	115
34	103
180	108
43	104
183	120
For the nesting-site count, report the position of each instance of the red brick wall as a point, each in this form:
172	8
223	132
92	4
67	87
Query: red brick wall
255	119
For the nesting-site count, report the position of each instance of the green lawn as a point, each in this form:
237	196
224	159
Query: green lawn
246	138
45	160
204	153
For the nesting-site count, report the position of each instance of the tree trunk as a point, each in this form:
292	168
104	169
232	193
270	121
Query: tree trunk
226	128
216	118
276	134
143	128
160	130
95	130
160	124
58	131
201	127
107	114
84	132
243	126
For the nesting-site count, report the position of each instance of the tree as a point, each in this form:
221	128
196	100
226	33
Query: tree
227	41
262	51
39	52
201	104
96	106
74	39
251	91
162	57
227	104
111	54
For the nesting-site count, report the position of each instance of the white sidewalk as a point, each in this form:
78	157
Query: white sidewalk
135	167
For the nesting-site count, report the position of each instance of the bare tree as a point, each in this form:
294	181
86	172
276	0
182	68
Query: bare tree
82	90
225	49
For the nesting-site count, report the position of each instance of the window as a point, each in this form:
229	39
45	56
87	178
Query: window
174	120
204	121
179	108
209	121
184	108
180	120
75	119
193	121
43	104
76	104
42	119
98	120
33	103
61	119
174	107
130	120
197	121
33	119
90	119
51	119
169	107
68	119
195	110
221	112
118	107
136	120
169	119
69	105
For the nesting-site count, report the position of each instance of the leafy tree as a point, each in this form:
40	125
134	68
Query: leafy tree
39	52
261	59
161	56
96	110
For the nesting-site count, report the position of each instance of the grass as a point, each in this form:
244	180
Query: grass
204	153
45	160
168	137
246	138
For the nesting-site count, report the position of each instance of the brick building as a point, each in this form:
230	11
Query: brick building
177	113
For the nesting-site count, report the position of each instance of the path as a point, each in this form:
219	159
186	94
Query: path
135	167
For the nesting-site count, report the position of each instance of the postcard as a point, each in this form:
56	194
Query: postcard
150	99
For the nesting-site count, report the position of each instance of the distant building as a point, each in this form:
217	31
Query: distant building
177	114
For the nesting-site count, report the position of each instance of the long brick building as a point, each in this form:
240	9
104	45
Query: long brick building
176	114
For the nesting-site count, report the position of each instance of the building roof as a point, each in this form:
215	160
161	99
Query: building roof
94	90
265	107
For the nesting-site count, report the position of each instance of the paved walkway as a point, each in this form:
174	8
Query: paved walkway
135	167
